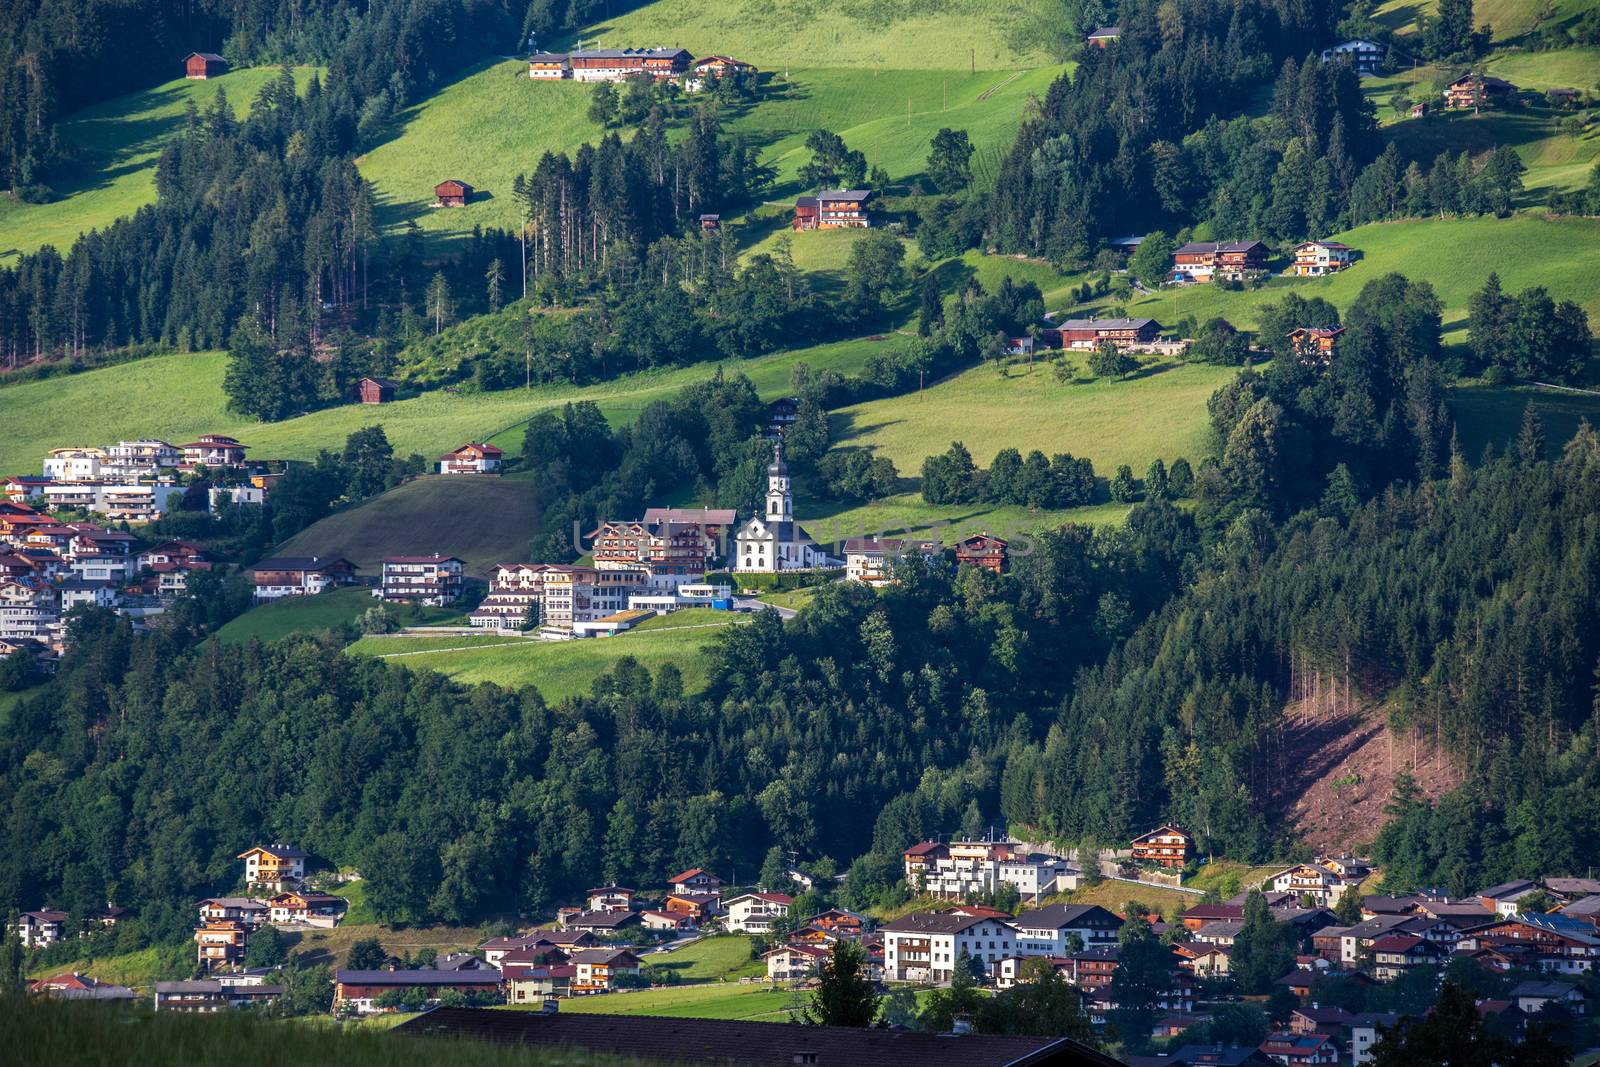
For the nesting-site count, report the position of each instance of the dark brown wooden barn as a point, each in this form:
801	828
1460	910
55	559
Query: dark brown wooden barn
377	390
452	193
202	65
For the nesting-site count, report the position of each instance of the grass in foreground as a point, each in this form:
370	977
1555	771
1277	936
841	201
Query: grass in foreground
558	669
113	148
82	1033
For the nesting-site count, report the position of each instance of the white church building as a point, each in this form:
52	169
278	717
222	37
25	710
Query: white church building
773	541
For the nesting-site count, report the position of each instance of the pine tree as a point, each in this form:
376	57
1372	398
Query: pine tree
1530	438
494	280
930	310
438	298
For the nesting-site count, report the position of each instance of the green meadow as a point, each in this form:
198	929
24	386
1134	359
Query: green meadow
179	397
112	150
1509	19
483	128
309	614
712	1000
873	34
558	669
1453	255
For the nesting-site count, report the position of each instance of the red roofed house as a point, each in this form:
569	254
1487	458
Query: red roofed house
1300	1050
695	880
753	913
202	65
452	193
471	458
1166	846
213	450
984	551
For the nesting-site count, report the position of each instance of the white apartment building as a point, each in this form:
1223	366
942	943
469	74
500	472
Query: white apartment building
28	610
132	460
74	464
754	913
870	560
925	946
1322	885
572	595
971	868
434	580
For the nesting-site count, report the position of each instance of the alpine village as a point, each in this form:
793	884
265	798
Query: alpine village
641	533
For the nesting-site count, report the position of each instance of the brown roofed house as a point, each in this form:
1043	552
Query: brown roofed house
452	192
199	66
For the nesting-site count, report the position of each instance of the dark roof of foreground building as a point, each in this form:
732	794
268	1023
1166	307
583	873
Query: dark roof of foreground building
728	1043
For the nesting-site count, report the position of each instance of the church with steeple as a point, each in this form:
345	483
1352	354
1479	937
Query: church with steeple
773	541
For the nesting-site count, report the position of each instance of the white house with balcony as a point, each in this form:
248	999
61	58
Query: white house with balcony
754	913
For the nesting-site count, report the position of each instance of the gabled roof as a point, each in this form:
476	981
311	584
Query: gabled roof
850	195
209	57
1104	32
770	898
934	922
487	976
1057	916
313	564
692	872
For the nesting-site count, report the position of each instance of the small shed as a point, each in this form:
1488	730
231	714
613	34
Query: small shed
375	390
202	65
805	213
452	193
710	222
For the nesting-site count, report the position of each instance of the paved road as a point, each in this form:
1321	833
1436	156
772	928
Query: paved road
752	604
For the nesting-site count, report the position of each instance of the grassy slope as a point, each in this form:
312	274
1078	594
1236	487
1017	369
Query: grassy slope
711	958
558	669
298	615
954	34
1453	255
429	515
1509	18
1111	422
114	147
179	397
483	128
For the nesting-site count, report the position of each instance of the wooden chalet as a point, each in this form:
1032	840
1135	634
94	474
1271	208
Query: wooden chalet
1314	344
375	390
1313	259
983	550
452	192
843	209
1165	846
198	66
221	943
549	66
1105	36
717	66
1204	261
284	576
615	64
711	222
696	907
1089	334
1476	91
471	458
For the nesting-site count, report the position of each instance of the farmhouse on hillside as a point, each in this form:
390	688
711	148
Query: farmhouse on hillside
198	66
1085	335
452	192
1365	56
1313	259
471	458
983	550
1204	261
1166	846
549	66
843	209
715	67
284	576
1475	91
773	541
615	64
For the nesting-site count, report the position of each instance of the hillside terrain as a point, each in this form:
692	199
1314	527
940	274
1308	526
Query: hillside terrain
112	149
484	521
